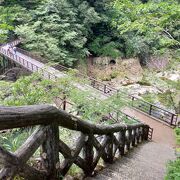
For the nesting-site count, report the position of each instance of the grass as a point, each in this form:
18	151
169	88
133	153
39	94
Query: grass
173	167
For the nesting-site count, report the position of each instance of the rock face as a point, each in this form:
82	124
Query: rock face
105	61
171	75
123	72
137	89
13	74
133	69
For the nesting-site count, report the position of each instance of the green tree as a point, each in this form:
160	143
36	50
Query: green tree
147	28
59	30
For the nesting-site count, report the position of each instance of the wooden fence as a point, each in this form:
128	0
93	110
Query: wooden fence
95	142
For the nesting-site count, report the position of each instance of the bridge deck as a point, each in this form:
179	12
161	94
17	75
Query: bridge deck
35	63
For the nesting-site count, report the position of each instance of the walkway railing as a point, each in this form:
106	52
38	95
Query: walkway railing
56	157
155	111
115	116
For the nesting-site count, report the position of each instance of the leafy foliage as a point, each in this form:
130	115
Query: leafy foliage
67	30
5	24
147	27
27	91
173	167
14	139
173	170
104	46
59	29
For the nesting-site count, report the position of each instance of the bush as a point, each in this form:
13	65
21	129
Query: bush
173	168
173	172
177	131
114	74
105	46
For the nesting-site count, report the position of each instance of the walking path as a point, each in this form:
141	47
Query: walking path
147	161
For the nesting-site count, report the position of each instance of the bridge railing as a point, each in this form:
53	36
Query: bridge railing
95	142
106	89
12	43
102	87
29	54
27	64
155	111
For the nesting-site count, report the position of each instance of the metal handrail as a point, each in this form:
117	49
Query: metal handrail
168	117
154	105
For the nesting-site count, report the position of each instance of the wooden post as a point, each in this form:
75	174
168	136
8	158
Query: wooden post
145	132
50	152
133	137
128	139
150	109
122	141
89	155
64	101
105	89
172	118
109	149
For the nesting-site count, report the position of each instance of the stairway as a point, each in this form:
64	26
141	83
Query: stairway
145	162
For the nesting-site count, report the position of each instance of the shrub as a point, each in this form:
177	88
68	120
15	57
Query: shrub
173	167
173	172
114	74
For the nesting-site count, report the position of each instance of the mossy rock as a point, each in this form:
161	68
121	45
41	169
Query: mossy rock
144	83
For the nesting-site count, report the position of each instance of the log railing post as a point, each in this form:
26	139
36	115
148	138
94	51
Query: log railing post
145	132
128	139
137	135
133	137
122	142
89	155
50	152
109	149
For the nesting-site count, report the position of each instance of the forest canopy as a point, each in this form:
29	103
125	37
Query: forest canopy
67	30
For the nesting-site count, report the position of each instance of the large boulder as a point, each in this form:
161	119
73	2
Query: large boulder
13	74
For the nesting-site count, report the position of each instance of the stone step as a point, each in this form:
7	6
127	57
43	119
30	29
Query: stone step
147	162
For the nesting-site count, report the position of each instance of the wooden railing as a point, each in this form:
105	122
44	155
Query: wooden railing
155	111
95	142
